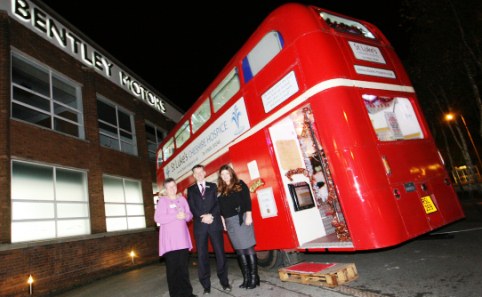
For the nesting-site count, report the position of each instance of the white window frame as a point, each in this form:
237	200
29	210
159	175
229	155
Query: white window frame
52	102
56	204
123	205
157	131
118	129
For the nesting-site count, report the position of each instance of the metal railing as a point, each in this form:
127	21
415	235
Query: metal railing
463	176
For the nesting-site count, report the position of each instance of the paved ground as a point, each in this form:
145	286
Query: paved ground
151	281
445	264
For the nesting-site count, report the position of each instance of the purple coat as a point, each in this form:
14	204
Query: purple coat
173	233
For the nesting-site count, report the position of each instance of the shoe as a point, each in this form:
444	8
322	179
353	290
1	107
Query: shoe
227	288
207	291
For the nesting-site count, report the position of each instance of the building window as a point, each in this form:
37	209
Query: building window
44	98
116	127
124	206
48	202
154	137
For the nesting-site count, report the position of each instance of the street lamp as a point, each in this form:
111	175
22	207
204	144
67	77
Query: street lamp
449	117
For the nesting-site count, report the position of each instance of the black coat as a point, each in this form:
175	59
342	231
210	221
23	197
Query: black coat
200	206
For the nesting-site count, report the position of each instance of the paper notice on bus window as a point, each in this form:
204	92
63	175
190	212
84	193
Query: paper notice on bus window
281	91
253	170
287	152
392	122
285	142
267	204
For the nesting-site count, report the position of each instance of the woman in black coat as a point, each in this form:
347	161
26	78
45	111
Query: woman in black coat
235	204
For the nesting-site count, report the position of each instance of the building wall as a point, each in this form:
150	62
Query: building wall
63	263
57	267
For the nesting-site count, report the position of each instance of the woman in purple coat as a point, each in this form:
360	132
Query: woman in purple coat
172	214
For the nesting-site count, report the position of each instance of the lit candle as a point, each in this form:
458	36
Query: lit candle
30	282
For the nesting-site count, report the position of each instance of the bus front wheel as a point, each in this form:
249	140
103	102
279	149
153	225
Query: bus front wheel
270	259
276	258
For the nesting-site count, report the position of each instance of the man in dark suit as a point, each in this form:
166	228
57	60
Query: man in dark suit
203	202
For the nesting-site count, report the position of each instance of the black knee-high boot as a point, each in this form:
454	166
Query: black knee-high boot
243	264
253	277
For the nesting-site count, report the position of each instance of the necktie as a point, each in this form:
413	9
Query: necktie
202	189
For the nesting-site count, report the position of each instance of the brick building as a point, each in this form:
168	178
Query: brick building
78	135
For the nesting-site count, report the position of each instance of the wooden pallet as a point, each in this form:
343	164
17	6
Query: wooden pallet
319	274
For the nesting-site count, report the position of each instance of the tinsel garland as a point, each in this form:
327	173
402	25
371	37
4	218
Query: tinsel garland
341	229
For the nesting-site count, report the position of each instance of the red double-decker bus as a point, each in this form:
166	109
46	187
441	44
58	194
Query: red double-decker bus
318	116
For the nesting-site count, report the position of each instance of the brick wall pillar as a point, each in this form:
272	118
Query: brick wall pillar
146	166
96	190
5	192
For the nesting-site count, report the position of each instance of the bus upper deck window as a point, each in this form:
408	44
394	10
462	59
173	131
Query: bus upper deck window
200	116
346	25
159	159
182	135
229	86
266	49
168	149
392	118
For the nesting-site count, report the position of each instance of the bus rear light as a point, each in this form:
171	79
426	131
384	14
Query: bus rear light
388	170
396	193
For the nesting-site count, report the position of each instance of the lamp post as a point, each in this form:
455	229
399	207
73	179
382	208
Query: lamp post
449	117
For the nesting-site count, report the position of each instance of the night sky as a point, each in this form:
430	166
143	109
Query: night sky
179	48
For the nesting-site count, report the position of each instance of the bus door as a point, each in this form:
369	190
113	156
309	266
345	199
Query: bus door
310	192
273	226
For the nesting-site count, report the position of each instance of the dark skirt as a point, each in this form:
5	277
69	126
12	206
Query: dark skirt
241	236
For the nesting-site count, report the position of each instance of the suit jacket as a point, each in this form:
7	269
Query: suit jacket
200	206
